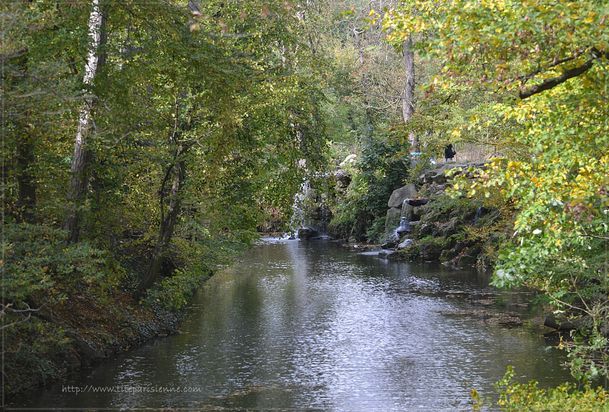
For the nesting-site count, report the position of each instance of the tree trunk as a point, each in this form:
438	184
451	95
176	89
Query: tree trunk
365	83
168	220
80	160
408	94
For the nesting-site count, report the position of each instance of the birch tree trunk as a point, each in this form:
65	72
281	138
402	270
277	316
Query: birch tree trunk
78	182
408	94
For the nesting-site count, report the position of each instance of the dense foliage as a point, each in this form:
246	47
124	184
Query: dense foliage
360	214
143	142
514	396
538	71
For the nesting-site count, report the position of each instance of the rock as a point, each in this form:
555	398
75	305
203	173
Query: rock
349	160
508	320
418	201
436	189
435	176
390	244
415	213
553	322
392	220
399	195
407	211
439	178
430	251
405	243
505	319
385	253
463	260
343	178
307	233
426	229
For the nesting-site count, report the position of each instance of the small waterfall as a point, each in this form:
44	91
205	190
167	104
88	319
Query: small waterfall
405	217
406	208
298	220
479	212
404	227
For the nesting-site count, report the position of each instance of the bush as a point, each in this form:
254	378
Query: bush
382	168
173	292
41	267
41	273
515	396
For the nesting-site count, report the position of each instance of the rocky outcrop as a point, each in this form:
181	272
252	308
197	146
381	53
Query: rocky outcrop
343	179
403	203
456	232
392	221
307	233
398	196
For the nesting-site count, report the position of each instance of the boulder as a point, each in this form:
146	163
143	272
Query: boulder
448	228
418	202
343	178
405	243
426	229
430	251
415	213
399	195
392	220
307	233
349	160
390	244
407	211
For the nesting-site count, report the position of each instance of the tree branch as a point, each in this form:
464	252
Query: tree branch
555	62
567	74
555	81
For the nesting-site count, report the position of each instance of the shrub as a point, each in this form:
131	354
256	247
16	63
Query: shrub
515	396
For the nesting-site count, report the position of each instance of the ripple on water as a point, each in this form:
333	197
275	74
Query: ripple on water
307	325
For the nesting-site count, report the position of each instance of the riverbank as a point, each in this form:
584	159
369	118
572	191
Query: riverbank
69	306
83	331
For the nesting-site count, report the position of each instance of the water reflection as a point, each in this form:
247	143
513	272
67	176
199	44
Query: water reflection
308	325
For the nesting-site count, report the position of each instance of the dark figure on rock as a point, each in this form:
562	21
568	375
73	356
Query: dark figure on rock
449	153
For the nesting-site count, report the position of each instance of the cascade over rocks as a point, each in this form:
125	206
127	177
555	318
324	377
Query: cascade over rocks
438	225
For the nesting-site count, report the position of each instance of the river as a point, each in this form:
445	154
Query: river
308	325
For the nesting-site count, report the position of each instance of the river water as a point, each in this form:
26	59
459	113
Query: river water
307	325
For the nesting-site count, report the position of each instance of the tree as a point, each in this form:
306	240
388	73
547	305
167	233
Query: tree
542	65
79	180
